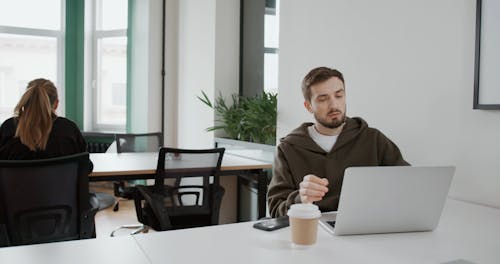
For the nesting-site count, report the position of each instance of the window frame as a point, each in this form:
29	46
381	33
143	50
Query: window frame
97	35
271	11
252	44
60	36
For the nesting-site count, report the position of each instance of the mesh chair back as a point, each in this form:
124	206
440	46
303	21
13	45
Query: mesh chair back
203	165
44	200
195	202
148	142
175	163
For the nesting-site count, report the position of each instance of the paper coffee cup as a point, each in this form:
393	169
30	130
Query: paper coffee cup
304	223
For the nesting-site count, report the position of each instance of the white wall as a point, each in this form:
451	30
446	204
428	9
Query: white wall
202	53
171	71
409	68
155	60
146	67
207	60
227	50
196	71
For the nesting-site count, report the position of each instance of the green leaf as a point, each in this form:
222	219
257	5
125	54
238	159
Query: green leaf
251	119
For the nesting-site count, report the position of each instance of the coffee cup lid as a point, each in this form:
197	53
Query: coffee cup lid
306	211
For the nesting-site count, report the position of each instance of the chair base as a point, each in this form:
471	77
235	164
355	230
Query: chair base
137	229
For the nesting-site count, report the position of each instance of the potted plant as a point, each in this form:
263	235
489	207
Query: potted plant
248	119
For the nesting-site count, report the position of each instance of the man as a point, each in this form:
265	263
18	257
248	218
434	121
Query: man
310	161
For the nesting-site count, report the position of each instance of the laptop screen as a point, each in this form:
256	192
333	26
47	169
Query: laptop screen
390	199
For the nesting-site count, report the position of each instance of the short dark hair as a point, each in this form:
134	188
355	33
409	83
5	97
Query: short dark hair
318	75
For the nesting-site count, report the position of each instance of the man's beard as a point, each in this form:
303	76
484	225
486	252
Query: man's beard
334	123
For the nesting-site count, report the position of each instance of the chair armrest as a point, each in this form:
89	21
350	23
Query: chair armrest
178	191
218	192
180	194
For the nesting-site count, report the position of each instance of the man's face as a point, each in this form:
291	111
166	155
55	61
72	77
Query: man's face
328	103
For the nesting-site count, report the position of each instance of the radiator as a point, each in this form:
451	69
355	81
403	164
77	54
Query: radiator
97	147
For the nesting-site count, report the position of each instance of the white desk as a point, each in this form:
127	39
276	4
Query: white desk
256	154
88	251
466	231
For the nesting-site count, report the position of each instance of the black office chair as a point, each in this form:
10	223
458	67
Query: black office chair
46	200
166	207
147	142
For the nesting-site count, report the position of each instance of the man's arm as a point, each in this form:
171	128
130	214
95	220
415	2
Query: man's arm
283	190
389	153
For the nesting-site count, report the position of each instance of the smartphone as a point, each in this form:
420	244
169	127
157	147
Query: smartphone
272	224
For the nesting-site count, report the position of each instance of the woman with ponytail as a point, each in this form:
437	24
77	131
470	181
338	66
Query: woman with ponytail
35	131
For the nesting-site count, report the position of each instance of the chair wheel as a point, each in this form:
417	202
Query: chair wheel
116	207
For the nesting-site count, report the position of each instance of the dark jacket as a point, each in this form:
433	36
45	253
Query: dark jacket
64	139
298	155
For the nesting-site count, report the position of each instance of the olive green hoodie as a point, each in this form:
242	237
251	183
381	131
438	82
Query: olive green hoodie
298	155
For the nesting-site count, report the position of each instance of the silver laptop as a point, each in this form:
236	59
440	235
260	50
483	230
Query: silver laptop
389	199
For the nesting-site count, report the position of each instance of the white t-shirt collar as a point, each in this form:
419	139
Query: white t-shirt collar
325	142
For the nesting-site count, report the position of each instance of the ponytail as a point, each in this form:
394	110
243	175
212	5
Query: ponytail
34	114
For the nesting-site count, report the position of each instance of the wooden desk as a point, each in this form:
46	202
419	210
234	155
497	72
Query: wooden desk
133	166
94	251
125	166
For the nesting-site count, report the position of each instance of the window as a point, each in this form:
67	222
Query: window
31	46
271	44
109	60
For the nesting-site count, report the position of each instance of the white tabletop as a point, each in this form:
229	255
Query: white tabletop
87	251
256	154
106	164
466	232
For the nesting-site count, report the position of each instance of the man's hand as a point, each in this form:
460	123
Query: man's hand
312	188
